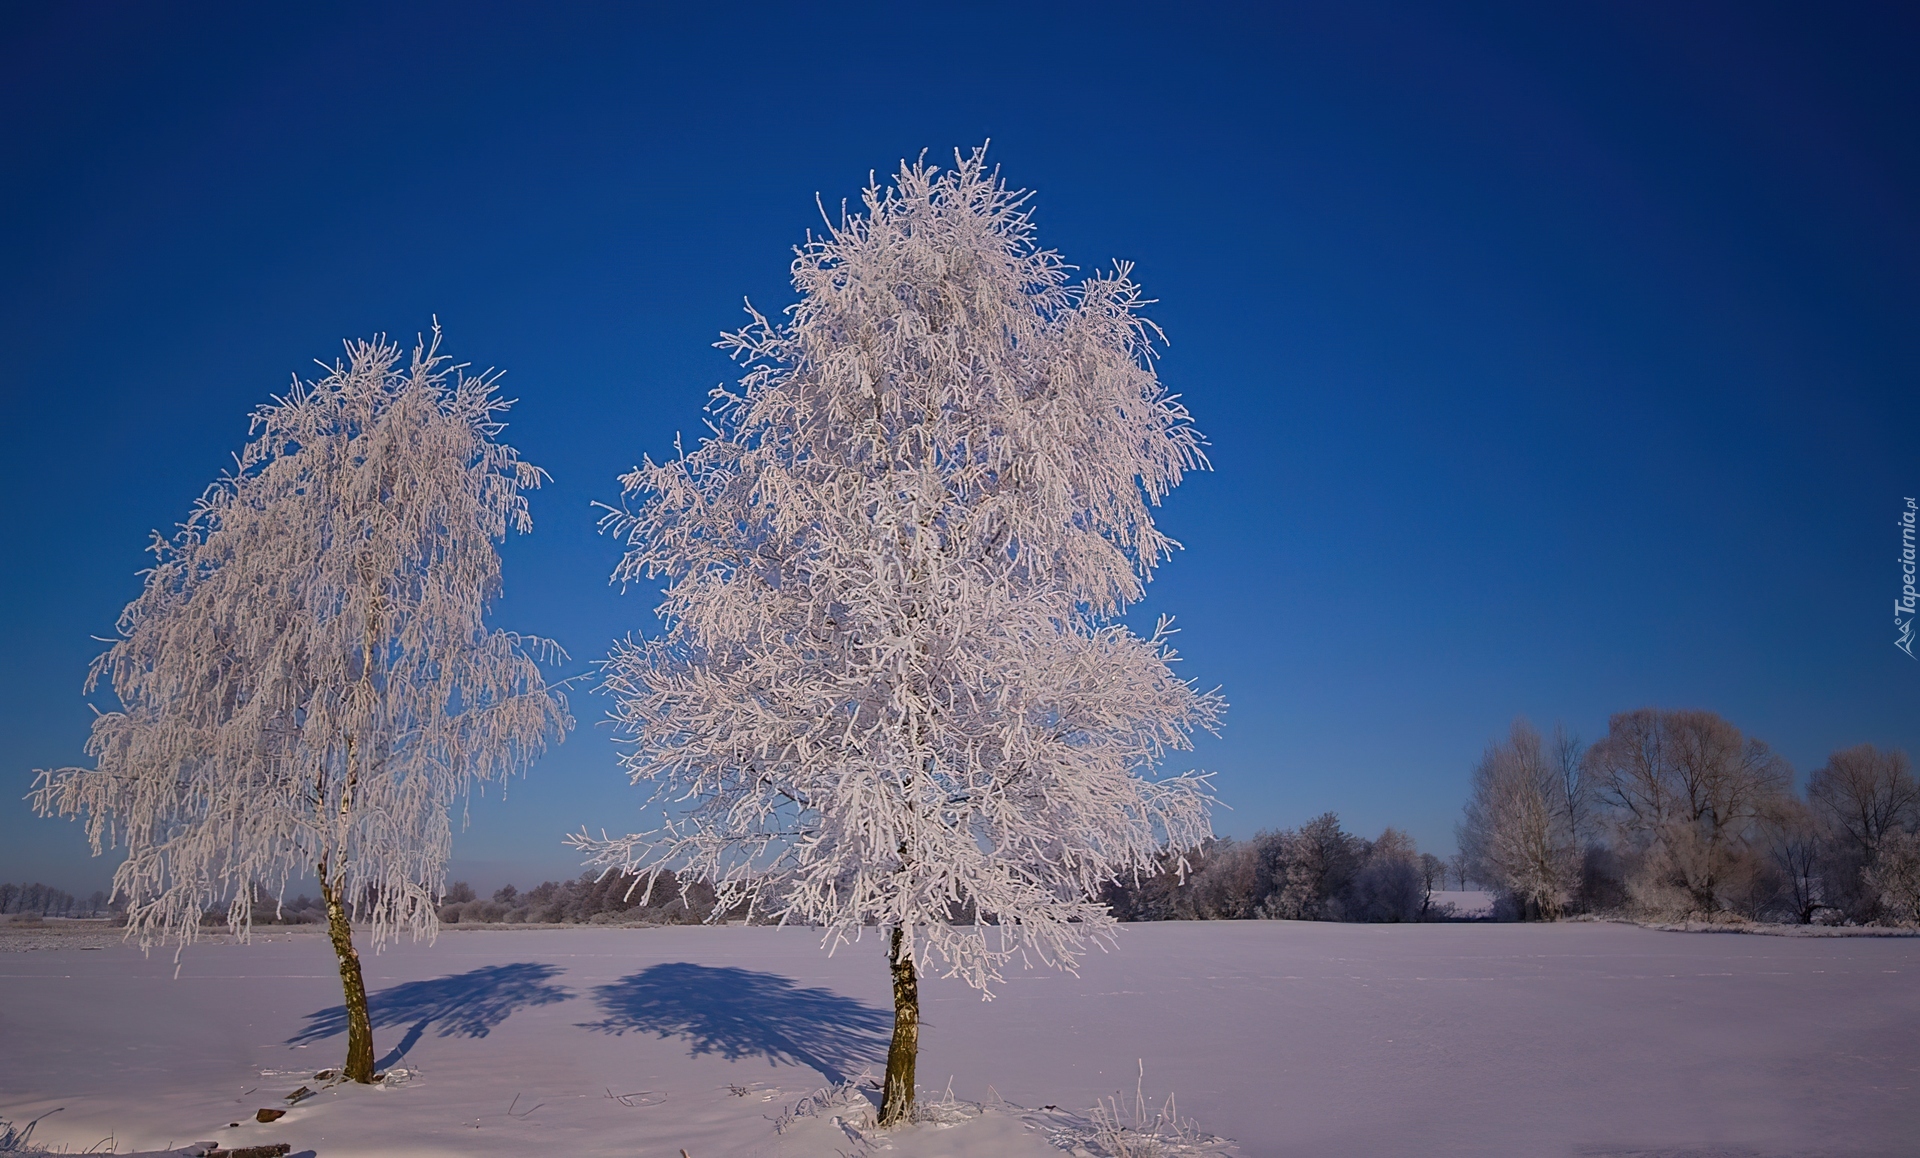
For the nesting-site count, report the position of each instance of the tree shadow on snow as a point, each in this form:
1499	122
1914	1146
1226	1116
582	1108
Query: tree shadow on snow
464	1005
736	1014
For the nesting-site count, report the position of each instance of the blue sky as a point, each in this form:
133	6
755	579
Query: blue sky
1557	361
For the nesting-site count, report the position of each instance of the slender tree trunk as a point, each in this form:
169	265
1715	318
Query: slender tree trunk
896	1097
1705	887
359	1067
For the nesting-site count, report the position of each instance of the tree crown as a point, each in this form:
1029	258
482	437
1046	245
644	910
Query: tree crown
306	679
890	690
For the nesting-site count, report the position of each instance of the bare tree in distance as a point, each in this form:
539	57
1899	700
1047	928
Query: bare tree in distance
1689	791
1517	833
307	681
893	684
1433	878
1860	797
1575	793
1794	842
1865	793
1389	884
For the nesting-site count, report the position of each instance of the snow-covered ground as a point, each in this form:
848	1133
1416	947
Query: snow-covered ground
1294	1039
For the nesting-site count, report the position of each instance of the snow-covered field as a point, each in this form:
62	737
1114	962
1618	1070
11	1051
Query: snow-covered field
1293	1039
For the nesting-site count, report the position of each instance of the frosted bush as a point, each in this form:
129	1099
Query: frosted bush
1894	877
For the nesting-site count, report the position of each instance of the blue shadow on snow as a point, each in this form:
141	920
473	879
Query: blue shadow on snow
464	1005
736	1013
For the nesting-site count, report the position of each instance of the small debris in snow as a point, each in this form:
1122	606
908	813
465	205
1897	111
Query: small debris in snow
638	1098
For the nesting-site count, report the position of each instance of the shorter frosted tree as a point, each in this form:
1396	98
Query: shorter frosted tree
307	683
892	691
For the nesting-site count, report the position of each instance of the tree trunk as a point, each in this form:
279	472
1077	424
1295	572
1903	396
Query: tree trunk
1705	896
359	1067
896	1097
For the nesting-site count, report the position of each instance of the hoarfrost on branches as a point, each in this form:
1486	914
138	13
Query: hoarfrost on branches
306	680
892	689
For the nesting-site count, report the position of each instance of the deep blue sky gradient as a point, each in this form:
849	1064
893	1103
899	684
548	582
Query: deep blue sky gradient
1557	361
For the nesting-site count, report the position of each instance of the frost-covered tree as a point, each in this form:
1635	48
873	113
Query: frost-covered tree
1388	886
1793	843
1312	870
892	690
1690	793
1864	794
1860	797
1893	879
307	682
1518	829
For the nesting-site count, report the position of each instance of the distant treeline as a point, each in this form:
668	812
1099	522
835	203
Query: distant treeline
590	900
1679	814
1317	872
46	901
1671	815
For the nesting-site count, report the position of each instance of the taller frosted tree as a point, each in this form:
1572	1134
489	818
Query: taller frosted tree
892	690
307	683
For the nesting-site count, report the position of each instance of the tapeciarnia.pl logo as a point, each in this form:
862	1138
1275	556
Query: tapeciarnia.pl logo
1903	607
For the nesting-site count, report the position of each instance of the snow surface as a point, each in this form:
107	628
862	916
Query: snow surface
1295	1039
